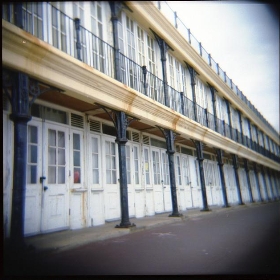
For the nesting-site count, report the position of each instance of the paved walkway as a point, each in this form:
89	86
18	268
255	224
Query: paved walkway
68	239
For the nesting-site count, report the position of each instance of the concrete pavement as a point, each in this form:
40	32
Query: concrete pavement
69	239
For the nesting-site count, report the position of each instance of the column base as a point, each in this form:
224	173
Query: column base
176	215
125	225
241	203
226	206
205	210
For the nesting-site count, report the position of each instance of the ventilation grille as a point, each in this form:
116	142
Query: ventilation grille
135	137
5	102
95	126
77	121
146	140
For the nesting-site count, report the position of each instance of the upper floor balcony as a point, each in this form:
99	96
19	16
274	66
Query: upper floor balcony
70	36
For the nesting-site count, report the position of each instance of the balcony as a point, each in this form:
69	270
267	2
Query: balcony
82	44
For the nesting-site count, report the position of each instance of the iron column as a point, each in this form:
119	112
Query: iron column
235	166
248	179
257	181
199	151
222	176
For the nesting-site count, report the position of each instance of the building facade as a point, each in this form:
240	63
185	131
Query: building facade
111	111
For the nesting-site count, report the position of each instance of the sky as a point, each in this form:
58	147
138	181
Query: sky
243	37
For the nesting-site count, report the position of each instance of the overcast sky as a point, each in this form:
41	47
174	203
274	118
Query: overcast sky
243	37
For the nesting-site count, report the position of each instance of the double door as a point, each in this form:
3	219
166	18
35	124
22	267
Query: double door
47	189
161	180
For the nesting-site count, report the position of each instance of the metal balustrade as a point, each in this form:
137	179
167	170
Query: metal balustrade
100	55
185	32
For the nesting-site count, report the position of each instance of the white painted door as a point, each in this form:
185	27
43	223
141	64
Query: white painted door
55	198
111	175
187	183
180	186
157	181
33	196
130	179
149	194
195	182
166	181
47	189
136	176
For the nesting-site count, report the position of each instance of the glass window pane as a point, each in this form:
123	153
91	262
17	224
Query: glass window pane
32	134
94	145
77	175
31	174
76	141
52	156
114	177
95	176
108	176
51	174
61	156
77	158
32	154
61	139
61	175
52	137
94	161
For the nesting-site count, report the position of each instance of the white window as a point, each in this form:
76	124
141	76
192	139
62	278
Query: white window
136	165
111	166
179	174
95	161
165	168
77	158
33	18
147	166
128	164
32	157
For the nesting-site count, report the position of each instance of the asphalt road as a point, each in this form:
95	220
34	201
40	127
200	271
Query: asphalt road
240	242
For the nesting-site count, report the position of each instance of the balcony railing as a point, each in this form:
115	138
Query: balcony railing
174	20
100	55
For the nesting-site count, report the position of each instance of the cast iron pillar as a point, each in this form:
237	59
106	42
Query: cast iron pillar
250	133
116	7
248	179
193	83
264	183
257	181
170	150
212	89
21	92
222	176
164	47
241	128
270	183
275	183
199	152
229	117
121	122
235	166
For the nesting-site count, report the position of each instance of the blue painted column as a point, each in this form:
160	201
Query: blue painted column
247	170
257	181
236	166
199	152
222	176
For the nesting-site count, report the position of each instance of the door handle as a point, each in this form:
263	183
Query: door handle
45	188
